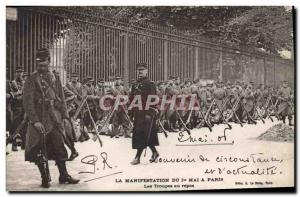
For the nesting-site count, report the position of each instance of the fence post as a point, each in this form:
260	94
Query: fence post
196	74
165	64
221	64
274	72
126	60
265	74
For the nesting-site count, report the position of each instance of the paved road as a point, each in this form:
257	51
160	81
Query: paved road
240	144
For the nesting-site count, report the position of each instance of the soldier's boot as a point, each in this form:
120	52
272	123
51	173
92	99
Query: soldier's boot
155	154
290	122
45	174
136	160
14	146
283	119
74	153
251	121
64	177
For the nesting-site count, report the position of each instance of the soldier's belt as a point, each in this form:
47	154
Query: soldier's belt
49	102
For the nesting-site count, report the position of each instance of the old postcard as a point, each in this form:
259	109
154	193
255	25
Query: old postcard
158	98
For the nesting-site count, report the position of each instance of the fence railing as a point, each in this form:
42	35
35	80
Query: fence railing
103	48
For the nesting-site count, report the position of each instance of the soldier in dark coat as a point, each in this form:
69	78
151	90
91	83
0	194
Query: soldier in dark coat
285	106
144	126
45	107
248	104
16	103
219	94
120	117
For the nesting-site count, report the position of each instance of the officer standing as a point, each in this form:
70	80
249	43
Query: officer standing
144	126
45	106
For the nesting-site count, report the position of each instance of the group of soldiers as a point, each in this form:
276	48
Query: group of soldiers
41	103
219	102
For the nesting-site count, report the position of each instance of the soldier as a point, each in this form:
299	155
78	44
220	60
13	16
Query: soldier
237	95
202	95
45	106
16	103
88	91
172	88
285	97
209	94
145	128
258	101
219	94
9	97
76	87
120	117
248	104
99	93
69	126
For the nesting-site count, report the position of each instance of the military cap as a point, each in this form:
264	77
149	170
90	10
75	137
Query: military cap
209	82
187	80
42	54
203	84
117	77
228	83
26	74
141	66
74	74
196	80
100	80
19	70
171	77
176	77
160	83
88	79
284	81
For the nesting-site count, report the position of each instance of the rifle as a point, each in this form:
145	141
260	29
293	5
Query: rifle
258	114
209	109
163	129
94	124
221	112
233	108
248	113
266	111
274	107
207	123
182	122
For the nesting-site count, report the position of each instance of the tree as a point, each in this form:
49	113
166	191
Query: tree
269	28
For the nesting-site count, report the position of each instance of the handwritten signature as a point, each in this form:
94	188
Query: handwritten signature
203	140
92	161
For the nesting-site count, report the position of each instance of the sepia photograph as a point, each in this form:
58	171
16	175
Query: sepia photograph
150	98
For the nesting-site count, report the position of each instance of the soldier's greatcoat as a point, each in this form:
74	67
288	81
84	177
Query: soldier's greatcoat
285	103
54	111
145	128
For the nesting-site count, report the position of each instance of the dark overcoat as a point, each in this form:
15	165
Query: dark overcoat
144	125
50	113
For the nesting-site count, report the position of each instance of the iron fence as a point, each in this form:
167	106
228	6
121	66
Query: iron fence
103	48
